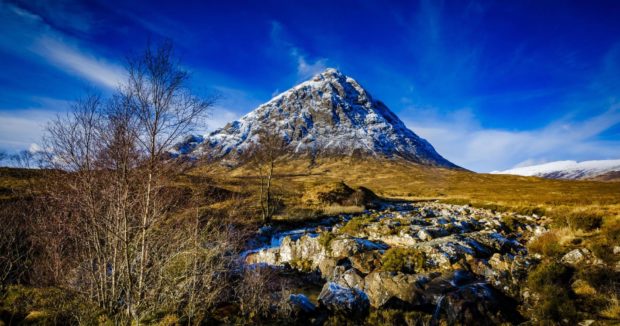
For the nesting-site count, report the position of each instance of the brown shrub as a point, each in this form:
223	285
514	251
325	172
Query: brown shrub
585	221
547	244
551	281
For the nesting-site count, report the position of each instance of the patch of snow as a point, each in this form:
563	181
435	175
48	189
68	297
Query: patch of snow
331	114
566	169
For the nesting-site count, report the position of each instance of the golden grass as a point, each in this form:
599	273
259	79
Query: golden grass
547	244
338	209
298	184
612	311
581	287
403	180
14	181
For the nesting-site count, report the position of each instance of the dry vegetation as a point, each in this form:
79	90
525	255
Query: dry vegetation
583	214
300	182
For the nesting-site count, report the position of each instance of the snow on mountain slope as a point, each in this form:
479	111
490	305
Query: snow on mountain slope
331	114
567	169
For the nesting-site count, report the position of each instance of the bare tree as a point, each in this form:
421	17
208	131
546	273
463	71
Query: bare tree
262	157
165	109
114	173
15	243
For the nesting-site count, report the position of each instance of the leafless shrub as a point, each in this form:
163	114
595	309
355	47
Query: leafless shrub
15	243
262	157
113	192
259	292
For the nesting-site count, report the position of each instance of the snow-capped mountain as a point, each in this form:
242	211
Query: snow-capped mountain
331	114
567	169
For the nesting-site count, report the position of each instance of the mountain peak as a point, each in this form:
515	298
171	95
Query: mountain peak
329	73
329	115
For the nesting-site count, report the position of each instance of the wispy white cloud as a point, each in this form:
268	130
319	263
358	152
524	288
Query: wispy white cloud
220	117
460	138
69	15
23	128
78	62
33	38
306	68
230	106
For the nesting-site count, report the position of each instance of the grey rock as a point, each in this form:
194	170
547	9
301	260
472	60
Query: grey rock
576	256
343	300
300	304
382	286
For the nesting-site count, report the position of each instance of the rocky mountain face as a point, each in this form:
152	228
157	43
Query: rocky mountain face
605	170
331	114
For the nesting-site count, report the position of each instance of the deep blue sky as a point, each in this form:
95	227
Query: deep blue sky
492	84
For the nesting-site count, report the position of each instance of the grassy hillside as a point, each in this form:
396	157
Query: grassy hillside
299	180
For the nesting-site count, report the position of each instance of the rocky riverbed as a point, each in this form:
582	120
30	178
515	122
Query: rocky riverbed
454	263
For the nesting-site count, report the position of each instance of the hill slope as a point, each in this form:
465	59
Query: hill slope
329	115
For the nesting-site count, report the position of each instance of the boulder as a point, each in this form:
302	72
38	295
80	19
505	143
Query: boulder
347	247
497	242
327	266
264	256
305	248
300	305
500	263
424	235
366	262
343	300
576	256
383	287
460	298
350	278
477	304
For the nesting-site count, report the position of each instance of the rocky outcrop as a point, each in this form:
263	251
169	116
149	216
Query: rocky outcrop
468	264
308	248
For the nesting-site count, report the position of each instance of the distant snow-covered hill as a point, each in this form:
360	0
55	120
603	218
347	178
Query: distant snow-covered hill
568	169
331	114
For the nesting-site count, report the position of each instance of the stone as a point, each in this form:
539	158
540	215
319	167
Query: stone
366	262
575	256
327	267
265	256
300	305
460	298
383	287
424	235
347	247
342	300
350	278
500	263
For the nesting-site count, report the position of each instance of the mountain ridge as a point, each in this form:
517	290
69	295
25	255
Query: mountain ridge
330	114
571	170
